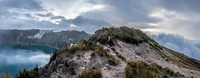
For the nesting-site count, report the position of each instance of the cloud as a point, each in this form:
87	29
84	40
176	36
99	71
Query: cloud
14	60
84	24
51	16
176	17
85	21
58	17
33	14
184	6
31	5
132	13
22	56
179	43
45	15
90	25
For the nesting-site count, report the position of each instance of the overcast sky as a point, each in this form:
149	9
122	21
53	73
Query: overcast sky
176	17
180	17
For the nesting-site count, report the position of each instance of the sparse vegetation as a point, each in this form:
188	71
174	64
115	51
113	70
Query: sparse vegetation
53	56
140	70
66	63
113	61
6	76
74	48
65	49
72	71
100	50
125	34
90	74
121	57
82	47
143	70
93	53
29	74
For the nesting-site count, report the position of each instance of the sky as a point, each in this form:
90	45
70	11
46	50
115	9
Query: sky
171	18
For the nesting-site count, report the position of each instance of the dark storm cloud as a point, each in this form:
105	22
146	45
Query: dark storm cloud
51	16
19	14
128	10
28	15
45	15
179	43
85	24
11	9
57	17
181	5
85	21
32	5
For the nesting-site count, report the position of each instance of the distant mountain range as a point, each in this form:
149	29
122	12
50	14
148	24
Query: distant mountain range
43	37
117	53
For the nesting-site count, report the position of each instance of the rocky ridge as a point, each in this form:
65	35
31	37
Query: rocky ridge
117	53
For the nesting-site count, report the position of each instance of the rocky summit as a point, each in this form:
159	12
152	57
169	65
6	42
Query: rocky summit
117	53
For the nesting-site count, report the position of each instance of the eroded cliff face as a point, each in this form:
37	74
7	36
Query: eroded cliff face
119	57
43	37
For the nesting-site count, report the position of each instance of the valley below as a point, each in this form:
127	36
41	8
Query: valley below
26	49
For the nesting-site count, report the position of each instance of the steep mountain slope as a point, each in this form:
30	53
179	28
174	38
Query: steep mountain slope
117	53
43	37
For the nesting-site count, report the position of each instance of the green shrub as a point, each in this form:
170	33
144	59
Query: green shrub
72	70
139	70
53	56
81	47
121	57
100	51
167	70
93	53
65	49
66	63
129	72
113	61
28	74
74	48
90	74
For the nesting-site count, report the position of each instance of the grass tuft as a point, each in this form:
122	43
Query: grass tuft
53	56
90	74
66	63
121	57
143	70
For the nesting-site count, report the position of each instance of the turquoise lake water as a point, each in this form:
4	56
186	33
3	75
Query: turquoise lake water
14	58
